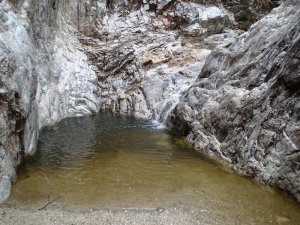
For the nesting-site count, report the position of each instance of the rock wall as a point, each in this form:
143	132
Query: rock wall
144	61
244	106
44	76
18	82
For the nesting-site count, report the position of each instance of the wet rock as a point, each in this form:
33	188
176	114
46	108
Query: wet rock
5	187
181	119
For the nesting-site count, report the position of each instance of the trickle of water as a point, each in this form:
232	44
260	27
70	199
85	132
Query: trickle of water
169	104
158	125
117	161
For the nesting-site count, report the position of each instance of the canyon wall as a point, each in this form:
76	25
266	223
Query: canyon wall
244	106
44	76
62	58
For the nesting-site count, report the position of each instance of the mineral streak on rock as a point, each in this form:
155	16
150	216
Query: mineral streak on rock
63	58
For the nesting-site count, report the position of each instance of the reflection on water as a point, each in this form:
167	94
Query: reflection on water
118	161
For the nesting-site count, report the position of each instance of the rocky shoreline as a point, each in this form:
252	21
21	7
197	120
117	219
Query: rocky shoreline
56	215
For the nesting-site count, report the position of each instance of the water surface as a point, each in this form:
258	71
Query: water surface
116	161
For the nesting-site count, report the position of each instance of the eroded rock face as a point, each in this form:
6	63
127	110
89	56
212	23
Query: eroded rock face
243	108
44	77
145	60
17	89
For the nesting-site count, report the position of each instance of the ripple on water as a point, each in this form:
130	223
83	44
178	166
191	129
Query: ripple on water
111	160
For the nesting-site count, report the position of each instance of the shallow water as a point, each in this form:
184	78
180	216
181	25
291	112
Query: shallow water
116	161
